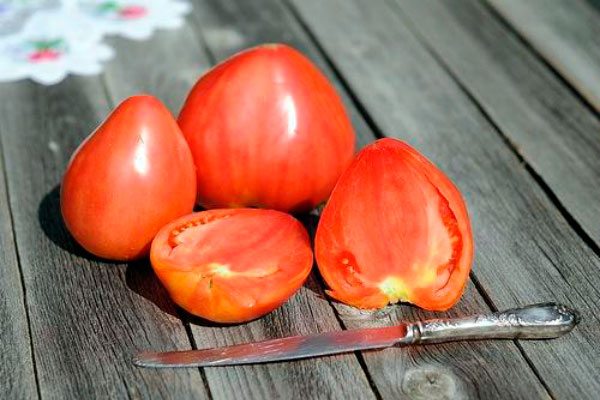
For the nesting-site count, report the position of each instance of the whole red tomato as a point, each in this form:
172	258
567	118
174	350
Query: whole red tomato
394	229
232	265
129	178
266	129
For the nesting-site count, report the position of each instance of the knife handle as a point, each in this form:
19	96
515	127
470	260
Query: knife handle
538	321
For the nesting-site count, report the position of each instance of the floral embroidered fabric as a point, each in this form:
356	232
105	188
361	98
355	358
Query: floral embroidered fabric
47	39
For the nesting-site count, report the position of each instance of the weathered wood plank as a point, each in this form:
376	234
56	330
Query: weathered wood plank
454	370
565	33
553	131
166	66
17	379
87	317
526	251
154	67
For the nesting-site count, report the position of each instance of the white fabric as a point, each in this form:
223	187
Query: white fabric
46	40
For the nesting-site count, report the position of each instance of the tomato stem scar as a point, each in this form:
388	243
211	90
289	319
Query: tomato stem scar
395	289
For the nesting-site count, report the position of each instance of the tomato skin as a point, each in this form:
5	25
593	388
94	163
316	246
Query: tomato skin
394	229
259	125
130	177
232	265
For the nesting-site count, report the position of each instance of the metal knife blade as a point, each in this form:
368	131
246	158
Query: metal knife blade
537	321
289	348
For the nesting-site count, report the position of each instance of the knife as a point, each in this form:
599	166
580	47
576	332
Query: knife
538	321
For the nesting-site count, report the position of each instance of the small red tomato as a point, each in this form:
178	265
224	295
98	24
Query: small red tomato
232	265
266	129
395	229
130	177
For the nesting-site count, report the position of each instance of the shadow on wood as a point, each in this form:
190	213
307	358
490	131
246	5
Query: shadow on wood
54	228
140	278
198	321
139	275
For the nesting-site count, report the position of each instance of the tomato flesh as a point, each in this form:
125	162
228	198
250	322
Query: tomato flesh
232	265
266	129
394	229
130	177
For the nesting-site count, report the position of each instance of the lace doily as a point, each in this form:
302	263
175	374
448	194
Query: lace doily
46	40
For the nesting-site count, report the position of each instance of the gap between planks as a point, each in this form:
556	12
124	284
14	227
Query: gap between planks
573	223
20	269
531	47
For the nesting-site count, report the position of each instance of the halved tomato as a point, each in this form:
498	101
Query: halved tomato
266	129
395	229
232	265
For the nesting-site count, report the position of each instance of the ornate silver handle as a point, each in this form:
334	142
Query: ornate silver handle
538	321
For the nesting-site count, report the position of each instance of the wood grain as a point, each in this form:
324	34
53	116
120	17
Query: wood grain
87	317
17	375
307	312
165	66
549	126
525	250
453	370
565	33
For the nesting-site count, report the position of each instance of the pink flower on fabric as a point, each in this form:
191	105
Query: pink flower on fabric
52	39
46	50
132	12
44	55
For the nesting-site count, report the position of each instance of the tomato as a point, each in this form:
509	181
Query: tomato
266	129
130	177
394	229
232	265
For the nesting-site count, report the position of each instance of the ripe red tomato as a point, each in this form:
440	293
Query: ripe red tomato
266	129
395	229
130	177
232	265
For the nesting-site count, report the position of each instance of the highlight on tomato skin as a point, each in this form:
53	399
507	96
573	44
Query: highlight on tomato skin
232	265
130	177
259	125
395	229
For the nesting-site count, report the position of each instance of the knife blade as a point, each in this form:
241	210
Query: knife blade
288	348
538	321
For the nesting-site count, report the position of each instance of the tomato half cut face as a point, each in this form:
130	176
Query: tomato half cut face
395	229
232	265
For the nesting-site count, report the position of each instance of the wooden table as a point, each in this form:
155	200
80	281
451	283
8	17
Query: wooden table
503	96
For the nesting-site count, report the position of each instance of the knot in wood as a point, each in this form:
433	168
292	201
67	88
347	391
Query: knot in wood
365	318
428	383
